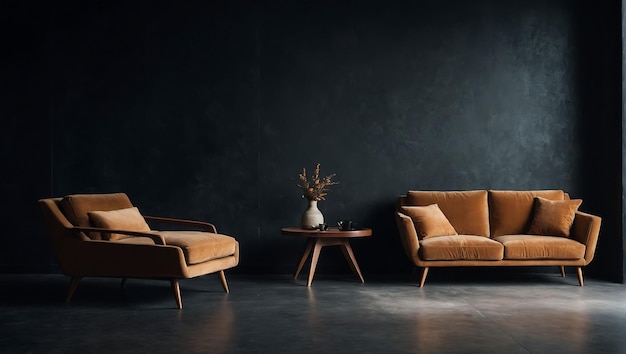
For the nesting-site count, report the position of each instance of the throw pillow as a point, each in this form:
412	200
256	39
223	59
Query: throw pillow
429	221
553	217
129	219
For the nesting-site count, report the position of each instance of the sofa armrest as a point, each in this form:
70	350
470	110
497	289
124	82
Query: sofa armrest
408	236
199	224
586	229
156	238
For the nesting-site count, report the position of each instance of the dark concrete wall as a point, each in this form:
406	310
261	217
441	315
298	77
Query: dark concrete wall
209	110
25	137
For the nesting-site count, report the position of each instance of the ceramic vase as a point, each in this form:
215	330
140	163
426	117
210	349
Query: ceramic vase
312	217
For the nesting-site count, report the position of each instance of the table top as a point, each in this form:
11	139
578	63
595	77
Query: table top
332	232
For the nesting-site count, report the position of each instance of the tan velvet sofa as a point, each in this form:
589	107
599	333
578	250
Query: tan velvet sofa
496	228
104	235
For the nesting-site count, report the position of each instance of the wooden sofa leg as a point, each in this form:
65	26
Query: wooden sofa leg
580	276
223	279
176	289
424	274
563	271
73	285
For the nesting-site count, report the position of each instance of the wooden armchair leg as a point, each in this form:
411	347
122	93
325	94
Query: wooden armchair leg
223	279
176	289
424	274
563	271
123	282
73	285
580	276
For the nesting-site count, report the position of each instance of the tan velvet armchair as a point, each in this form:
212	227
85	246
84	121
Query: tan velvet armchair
104	235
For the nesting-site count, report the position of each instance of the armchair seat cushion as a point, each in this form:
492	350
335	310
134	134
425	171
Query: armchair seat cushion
197	246
540	247
460	247
200	246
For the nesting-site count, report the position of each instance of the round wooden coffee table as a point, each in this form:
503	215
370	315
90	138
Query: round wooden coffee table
331	237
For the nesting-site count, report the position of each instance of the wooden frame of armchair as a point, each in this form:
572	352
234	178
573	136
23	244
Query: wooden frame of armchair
79	256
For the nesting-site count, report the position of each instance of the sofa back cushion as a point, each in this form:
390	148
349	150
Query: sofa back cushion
77	206
510	212
467	211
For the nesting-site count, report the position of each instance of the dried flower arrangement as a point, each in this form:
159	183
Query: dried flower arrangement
315	188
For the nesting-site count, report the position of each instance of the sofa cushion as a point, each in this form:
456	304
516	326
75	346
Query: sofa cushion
460	247
200	246
121	219
510	212
466	210
540	247
76	206
429	221
553	217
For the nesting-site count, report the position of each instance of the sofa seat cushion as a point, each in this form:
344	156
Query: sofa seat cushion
460	247
540	247
200	246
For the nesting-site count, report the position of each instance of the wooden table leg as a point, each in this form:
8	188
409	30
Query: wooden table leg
347	252
316	255
305	255
316	245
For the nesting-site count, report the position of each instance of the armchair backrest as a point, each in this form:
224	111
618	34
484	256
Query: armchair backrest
77	206
62	214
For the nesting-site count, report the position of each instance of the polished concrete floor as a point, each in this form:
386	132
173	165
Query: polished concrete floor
498	312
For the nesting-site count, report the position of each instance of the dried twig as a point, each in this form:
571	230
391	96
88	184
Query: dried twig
315	188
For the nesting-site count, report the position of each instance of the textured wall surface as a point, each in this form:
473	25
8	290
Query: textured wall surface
209	110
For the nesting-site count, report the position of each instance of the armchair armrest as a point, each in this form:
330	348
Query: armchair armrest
408	236
199	224
586	229
156	238
99	258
